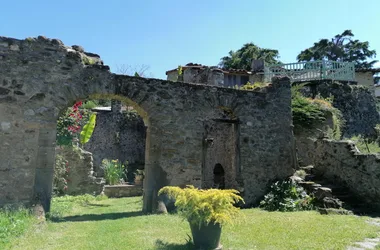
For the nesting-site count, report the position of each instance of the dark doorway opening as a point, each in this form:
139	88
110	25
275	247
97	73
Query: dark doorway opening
219	176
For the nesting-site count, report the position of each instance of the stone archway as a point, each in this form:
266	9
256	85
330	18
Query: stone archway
40	76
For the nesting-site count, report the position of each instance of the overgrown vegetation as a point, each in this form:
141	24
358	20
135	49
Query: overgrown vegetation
13	223
311	112
287	196
88	60
201	207
114	171
61	171
70	123
90	104
366	145
250	86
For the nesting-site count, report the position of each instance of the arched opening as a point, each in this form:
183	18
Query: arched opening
112	143
219	178
111	160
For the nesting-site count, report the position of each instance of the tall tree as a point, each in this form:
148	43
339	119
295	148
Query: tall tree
341	48
242	58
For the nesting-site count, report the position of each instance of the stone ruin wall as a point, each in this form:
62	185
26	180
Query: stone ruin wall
341	162
117	135
80	177
199	74
357	104
39	77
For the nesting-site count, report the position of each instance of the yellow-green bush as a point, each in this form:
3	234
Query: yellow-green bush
205	206
252	86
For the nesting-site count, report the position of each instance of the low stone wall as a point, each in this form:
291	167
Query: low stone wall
81	179
341	162
117	191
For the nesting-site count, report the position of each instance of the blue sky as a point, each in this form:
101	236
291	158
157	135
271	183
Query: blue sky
164	34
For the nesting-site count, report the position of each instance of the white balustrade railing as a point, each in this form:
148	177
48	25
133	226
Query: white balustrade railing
311	71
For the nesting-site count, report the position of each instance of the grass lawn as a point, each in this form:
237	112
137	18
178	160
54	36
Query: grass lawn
119	224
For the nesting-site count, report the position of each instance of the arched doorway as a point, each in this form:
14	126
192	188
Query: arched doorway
219	179
118	135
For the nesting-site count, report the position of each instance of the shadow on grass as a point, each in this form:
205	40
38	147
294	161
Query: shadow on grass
97	205
97	217
160	245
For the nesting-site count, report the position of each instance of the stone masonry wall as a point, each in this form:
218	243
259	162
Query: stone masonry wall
81	179
117	135
340	162
39	77
366	79
220	148
204	75
357	105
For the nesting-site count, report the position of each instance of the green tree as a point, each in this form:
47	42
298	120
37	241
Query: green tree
341	48
242	58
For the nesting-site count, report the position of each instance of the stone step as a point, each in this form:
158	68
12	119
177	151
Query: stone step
340	211
309	177
308	169
322	192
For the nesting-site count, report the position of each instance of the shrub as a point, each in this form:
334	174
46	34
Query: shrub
305	112
287	196
308	112
61	170
113	171
250	86
201	207
70	123
89	104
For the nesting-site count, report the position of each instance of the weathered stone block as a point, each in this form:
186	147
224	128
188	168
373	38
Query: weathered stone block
118	191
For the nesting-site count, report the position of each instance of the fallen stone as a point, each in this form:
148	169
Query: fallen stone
334	211
296	179
321	192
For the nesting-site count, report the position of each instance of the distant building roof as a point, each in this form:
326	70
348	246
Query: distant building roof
200	66
237	71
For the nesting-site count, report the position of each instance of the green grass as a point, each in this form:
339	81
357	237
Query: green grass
119	224
13	223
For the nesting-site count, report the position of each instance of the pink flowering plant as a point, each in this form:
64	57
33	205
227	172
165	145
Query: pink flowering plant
70	122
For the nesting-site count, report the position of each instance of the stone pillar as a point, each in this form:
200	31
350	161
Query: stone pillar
115	106
43	182
155	176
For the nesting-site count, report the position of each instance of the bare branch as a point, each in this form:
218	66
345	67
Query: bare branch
126	69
